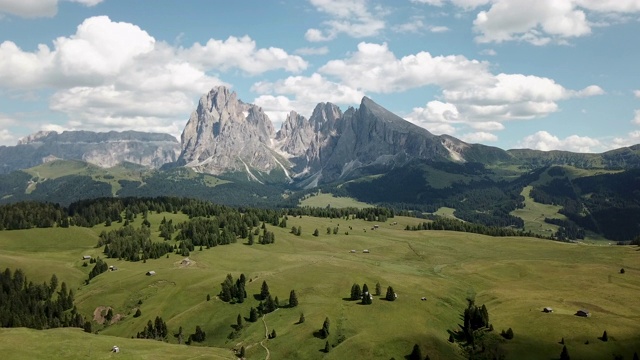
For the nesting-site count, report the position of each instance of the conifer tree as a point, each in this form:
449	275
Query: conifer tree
264	290
416	353
293	299
253	315
239	322
327	347
564	355
301	320
378	289
391	295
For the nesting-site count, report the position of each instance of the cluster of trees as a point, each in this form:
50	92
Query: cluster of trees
442	223
363	293
26	215
156	330
166	229
475	335
99	267
233	292
567	229
132	244
212	232
37	306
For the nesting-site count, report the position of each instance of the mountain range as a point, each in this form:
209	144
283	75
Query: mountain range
225	135
229	152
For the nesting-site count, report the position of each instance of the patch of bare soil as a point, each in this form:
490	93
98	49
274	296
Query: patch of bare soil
101	311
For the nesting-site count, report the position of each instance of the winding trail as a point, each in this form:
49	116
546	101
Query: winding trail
266	337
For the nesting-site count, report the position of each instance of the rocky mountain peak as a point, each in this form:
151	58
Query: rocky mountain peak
226	135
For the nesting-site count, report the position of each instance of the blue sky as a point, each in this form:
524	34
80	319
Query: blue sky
544	74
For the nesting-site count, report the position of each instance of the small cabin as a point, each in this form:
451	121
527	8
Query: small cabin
365	251
423	298
583	313
352	251
547	310
375	226
115	349
151	273
86	257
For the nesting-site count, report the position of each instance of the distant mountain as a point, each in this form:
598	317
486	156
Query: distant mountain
226	135
101	149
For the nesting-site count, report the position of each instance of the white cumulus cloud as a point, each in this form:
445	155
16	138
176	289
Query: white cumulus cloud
302	94
479	137
114	75
543	140
351	17
37	8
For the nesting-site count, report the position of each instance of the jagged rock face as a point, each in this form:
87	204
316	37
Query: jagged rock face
101	149
370	136
227	135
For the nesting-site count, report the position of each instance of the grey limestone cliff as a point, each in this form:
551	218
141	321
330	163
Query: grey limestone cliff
102	149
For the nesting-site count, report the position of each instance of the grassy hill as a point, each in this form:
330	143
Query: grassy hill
514	277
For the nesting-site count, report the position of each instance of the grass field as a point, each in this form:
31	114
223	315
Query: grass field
324	200
533	215
514	277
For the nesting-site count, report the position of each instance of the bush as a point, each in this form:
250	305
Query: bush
507	334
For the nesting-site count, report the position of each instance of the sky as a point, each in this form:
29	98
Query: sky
543	74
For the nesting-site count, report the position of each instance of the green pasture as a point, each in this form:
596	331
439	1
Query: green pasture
31	344
324	200
533	215
515	277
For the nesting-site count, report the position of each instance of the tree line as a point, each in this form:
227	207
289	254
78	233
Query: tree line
36	306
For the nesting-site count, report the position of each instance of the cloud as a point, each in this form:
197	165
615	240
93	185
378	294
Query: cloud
242	53
37	8
313	51
375	68
114	75
545	21
488	52
479	137
438	29
632	138
636	117
470	92
302	94
544	141
414	26
351	17
636	93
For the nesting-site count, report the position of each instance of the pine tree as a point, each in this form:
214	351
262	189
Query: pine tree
264	291
293	299
324	332
87	327
241	354
391	295
316	232
605	337
138	313
378	289
327	347
416	353
564	355
239	322
301	320
273	334
253	315
635	356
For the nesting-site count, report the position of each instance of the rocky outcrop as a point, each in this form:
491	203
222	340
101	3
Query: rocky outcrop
226	135
102	149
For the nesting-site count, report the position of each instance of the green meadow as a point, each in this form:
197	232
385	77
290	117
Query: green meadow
515	277
324	200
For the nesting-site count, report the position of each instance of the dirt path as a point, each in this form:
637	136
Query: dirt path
266	337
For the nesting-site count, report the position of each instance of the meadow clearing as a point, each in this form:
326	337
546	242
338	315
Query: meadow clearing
515	277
